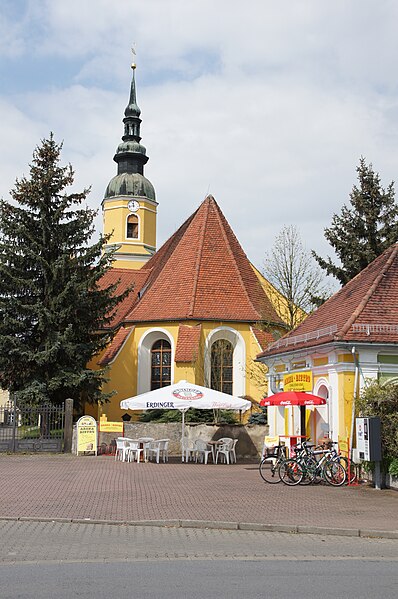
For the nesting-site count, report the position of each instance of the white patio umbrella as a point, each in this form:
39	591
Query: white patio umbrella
182	396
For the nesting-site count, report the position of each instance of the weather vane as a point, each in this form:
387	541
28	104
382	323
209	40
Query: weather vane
133	65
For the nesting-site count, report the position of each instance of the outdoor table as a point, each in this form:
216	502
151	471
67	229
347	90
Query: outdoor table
144	443
213	445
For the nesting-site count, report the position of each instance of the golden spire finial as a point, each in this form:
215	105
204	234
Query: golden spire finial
133	65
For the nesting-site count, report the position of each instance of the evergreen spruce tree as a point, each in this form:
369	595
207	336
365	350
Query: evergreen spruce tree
53	312
363	231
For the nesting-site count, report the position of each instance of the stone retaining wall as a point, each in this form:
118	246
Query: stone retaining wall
250	436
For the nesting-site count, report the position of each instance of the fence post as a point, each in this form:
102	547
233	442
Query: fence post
68	426
14	423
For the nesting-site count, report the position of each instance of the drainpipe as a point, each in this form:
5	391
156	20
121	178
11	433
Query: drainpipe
355	397
272	387
272	384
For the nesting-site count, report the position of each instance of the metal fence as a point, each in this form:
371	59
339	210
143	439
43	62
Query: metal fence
31	428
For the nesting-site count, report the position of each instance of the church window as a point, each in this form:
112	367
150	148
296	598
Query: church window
222	366
160	364
132	226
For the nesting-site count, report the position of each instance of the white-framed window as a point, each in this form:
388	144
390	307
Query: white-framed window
160	364
154	345
221	366
225	361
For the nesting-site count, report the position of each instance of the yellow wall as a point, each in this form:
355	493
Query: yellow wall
345	358
115	214
321	361
122	372
278	300
346	394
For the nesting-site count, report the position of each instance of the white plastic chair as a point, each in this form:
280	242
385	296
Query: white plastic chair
188	450
134	451
146	441
232	452
121	449
224	449
159	449
202	450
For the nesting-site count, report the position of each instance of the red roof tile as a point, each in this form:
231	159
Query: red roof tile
124	278
263	337
202	273
116	345
363	310
188	343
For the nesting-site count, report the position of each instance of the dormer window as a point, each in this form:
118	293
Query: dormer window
132	227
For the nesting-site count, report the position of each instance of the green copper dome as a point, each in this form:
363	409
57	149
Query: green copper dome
130	184
131	146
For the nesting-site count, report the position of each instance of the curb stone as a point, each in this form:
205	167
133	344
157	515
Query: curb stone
162	523
211	524
268	527
321	530
379	534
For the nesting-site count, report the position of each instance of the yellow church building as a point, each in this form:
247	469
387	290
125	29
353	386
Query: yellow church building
199	311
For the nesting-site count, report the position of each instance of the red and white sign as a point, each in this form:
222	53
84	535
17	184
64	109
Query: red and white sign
187	393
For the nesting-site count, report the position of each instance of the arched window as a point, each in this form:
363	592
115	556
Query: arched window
160	364
222	366
132	227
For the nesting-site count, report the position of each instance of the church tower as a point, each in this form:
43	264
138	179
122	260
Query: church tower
129	206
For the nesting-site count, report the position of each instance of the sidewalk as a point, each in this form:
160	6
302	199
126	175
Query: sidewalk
98	488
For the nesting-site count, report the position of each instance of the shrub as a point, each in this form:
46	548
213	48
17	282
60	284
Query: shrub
393	469
382	401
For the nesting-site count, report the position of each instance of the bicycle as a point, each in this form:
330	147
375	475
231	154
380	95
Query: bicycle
271	462
327	468
348	465
305	468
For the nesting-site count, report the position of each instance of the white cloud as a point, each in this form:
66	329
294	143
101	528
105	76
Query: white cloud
268	106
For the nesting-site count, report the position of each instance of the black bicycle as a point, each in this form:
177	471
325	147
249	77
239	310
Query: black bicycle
271	462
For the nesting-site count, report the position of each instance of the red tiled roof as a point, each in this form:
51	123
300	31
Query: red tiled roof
188	343
116	344
124	278
263	337
365	309
202	273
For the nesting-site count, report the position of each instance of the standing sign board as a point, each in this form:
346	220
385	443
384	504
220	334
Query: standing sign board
87	439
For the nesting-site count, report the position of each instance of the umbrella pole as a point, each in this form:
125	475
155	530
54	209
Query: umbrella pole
183	435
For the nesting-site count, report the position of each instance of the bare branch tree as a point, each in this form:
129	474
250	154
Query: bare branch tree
295	275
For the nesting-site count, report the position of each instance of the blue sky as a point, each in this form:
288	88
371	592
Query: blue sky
267	105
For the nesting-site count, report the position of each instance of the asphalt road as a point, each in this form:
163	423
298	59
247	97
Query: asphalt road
199	579
63	560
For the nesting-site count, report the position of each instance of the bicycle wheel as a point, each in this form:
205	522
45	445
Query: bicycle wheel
309	467
334	473
269	471
291	473
352	474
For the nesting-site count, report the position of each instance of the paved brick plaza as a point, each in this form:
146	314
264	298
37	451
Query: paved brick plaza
66	486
